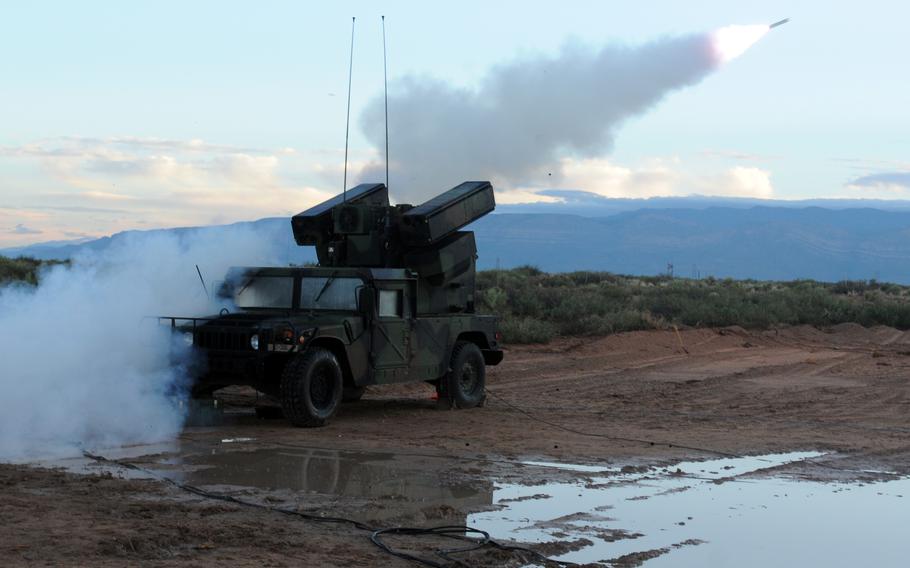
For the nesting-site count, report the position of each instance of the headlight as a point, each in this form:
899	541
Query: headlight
188	337
254	342
305	335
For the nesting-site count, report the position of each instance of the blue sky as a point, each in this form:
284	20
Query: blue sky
148	114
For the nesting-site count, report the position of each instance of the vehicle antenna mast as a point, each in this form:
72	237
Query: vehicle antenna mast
201	279
347	126
385	80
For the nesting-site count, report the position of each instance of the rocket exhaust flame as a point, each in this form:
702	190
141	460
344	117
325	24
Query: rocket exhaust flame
732	41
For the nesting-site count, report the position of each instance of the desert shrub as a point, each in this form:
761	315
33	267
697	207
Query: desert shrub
22	269
536	304
526	330
494	299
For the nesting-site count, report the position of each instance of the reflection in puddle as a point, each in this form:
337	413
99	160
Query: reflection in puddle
405	487
694	514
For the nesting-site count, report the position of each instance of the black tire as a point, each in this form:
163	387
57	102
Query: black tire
311	388
465	382
352	394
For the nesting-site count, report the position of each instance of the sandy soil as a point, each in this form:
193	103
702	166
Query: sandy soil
629	399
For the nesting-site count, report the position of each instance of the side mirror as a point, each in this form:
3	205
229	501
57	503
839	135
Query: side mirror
366	301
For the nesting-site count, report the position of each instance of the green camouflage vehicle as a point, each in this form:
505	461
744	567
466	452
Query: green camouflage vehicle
391	301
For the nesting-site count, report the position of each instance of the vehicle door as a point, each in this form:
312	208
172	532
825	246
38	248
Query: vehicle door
392	332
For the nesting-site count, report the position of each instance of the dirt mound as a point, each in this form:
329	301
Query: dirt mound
848	328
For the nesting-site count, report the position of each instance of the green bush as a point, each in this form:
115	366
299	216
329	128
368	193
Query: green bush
526	330
22	269
535	305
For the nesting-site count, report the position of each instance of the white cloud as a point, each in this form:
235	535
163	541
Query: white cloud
881	185
99	186
662	177
21	229
106	185
738	181
893	183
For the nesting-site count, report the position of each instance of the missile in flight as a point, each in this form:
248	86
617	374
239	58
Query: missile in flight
780	23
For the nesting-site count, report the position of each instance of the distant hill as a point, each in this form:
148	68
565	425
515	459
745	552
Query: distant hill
739	241
587	204
763	243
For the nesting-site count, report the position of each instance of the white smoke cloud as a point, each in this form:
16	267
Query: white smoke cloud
81	367
526	115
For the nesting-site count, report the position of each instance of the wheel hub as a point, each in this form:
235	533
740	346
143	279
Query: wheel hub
321	389
468	379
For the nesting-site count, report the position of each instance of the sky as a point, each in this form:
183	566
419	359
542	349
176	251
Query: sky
139	115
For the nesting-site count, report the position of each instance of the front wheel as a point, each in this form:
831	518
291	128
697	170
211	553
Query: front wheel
311	388
465	382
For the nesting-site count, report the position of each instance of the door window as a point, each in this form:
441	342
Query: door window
390	303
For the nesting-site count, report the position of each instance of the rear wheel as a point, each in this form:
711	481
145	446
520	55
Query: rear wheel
465	383
311	388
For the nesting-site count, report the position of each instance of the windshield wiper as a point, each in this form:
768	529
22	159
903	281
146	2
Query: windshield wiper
244	287
328	282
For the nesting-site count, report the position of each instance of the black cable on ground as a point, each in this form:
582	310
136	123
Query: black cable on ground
448	531
456	531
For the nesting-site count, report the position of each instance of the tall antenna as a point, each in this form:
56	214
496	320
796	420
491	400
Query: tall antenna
347	126
385	80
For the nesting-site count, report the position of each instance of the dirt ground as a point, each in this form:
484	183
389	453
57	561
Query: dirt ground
631	399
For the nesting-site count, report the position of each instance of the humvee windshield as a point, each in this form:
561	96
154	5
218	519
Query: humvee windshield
277	291
329	293
265	292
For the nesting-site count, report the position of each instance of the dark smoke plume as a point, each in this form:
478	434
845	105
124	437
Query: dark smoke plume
526	113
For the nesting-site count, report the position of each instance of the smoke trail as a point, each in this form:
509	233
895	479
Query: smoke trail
512	128
80	366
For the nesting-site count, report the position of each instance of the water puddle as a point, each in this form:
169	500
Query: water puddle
723	512
711	513
74	461
409	487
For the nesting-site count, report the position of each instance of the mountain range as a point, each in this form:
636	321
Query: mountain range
827	240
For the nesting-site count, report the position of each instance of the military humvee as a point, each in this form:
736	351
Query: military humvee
392	300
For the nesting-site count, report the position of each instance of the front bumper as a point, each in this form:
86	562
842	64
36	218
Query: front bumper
221	353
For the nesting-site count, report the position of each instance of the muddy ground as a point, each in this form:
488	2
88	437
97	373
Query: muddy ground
632	400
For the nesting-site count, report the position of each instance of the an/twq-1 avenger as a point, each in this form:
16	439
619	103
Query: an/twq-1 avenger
391	301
